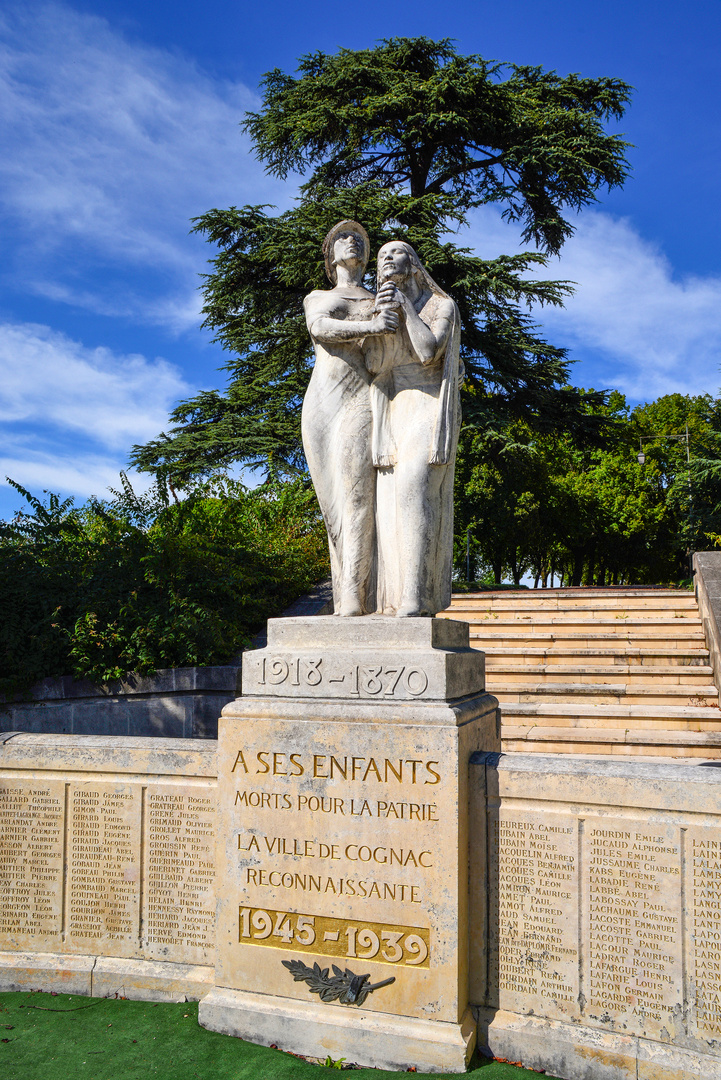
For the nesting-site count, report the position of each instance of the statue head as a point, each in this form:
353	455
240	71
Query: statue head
398	262
346	243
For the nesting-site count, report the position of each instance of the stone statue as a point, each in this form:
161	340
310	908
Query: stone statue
380	427
415	406
337	420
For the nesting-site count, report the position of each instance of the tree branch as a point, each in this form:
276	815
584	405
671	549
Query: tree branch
449	174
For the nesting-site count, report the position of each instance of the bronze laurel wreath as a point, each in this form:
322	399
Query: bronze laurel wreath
345	987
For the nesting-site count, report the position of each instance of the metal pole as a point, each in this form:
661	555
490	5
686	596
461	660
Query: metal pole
468	555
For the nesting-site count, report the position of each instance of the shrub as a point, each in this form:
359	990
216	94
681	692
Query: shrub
146	582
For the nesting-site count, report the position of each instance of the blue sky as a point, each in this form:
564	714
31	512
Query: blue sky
119	122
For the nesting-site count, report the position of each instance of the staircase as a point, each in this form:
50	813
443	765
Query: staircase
597	671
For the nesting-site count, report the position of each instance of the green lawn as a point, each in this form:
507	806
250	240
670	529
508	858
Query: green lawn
63	1037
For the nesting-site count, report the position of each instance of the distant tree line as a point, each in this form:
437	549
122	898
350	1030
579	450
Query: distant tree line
142	582
555	509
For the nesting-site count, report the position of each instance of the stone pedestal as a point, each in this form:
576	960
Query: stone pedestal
343	842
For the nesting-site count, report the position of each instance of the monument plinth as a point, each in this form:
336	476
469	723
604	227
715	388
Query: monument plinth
343	852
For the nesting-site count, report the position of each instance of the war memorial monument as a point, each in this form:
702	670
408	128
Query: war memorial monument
354	869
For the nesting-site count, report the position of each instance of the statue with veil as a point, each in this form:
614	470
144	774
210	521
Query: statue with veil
380	427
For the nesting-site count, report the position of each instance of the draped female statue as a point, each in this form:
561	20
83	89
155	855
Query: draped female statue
336	418
415	409
380	427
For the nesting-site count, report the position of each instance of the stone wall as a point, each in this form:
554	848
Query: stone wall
595	908
176	703
107	875
597	945
179	703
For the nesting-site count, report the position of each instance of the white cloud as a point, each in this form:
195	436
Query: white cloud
633	325
658	334
109	148
92	475
51	383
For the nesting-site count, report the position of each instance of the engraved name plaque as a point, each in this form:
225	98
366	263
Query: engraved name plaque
604	906
108	862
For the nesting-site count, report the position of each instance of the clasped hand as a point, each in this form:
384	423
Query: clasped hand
388	304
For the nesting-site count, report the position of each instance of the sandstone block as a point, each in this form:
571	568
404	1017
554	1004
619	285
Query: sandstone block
377	659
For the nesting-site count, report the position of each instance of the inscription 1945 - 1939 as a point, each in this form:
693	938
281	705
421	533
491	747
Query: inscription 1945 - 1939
330	936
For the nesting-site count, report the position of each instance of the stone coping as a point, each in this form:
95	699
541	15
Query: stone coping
221	677
694	786
594	765
108	753
707	586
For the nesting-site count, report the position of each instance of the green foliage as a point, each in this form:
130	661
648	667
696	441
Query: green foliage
593	515
411	114
144	582
407	138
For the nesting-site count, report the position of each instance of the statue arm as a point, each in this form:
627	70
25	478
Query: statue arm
325	327
428	342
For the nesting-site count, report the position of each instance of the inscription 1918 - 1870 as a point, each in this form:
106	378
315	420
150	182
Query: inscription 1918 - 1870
294	674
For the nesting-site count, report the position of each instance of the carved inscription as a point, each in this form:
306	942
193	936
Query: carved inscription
74	874
180	860
328	936
345	768
31	863
104	867
633	921
336	848
627	882
704	914
320	877
331	676
534	935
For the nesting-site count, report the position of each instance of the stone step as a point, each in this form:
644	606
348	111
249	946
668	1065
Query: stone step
571	729
605	693
624	672
602	624
675	675
682	601
562	657
581	639
583	616
629	742
595	591
590	628
602	595
585	715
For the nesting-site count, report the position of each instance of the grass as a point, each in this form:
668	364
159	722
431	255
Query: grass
63	1037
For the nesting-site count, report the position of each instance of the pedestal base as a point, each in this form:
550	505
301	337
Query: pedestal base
343	842
378	1040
